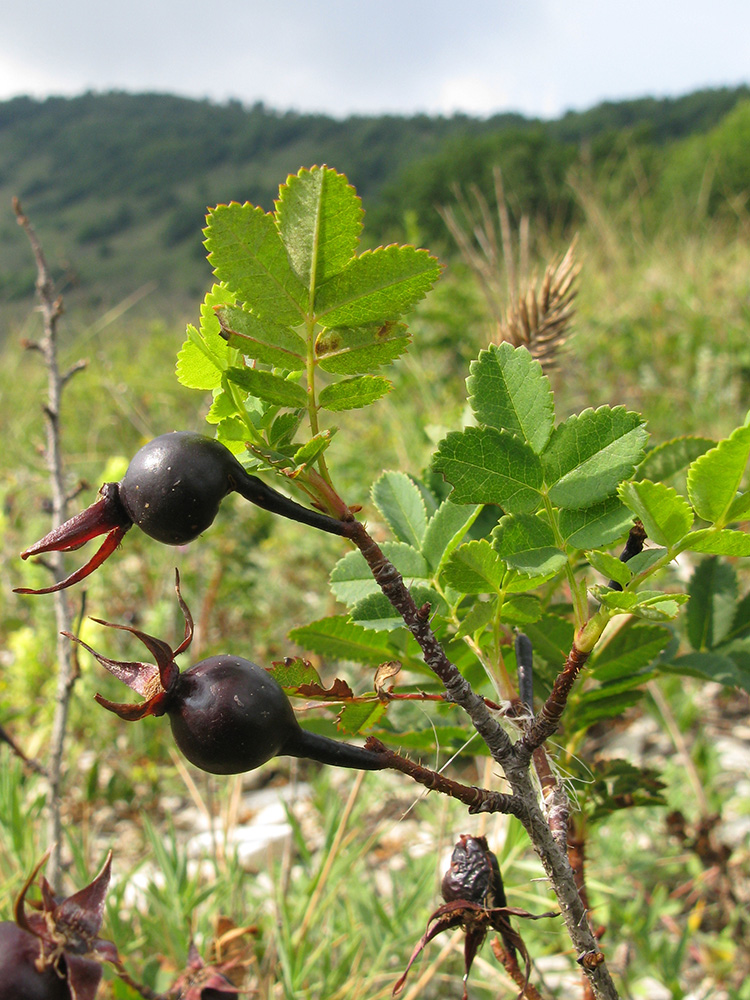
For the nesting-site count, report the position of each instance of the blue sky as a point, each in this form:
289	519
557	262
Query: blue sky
540	57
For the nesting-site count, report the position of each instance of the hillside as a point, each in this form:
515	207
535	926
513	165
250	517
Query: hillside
117	184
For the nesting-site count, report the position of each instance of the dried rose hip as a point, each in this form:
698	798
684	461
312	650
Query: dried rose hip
54	953
172	490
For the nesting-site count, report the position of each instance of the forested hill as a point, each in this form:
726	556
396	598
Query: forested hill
117	184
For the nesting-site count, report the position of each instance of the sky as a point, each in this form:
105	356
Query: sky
340	57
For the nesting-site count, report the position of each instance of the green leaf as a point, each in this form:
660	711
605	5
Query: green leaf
739	509
351	578
527	543
741	622
359	350
629	651
446	739
378	285
666	516
713	598
445	529
597	526
319	217
594	706
653	605
203	357
353	393
645	560
294	671
223	405
591	453
375	611
311	450
283	429
401	504
714	478
610	567
666	460
711	667
246	252
480	615
361	715
261	339
269	387
552	639
485	465
337	637
508	391
474	568
522	609
720	542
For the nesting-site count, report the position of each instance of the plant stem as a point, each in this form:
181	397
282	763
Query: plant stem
514	759
51	308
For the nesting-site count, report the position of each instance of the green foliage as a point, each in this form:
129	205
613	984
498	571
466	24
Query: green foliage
296	303
561	500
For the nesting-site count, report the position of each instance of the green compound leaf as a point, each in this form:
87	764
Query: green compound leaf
522	609
711	666
319	217
359	350
475	568
351	579
714	478
485	465
481	614
353	393
445	529
590	454
721	542
377	286
739	509
246	252
294	671
630	651
527	544
652	605
594	527
269	387
261	339
376	612
361	715
552	639
593	706
508	391
401	504
338	638
666	516
311	450
666	460
203	357
610	567
713	599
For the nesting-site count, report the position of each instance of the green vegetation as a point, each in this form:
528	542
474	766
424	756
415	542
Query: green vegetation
661	328
121	182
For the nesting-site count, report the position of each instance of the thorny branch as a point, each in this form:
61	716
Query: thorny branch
513	758
477	799
51	308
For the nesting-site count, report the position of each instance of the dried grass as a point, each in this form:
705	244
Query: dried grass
537	315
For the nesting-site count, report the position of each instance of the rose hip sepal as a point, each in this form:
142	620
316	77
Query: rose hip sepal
475	900
172	490
202	982
54	952
228	715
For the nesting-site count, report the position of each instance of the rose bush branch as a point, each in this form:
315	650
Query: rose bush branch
51	306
